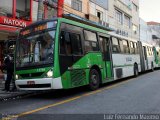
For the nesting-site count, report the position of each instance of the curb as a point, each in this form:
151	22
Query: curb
16	95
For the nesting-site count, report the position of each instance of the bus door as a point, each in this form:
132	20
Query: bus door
106	55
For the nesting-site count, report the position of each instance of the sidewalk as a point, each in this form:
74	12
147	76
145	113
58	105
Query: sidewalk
10	95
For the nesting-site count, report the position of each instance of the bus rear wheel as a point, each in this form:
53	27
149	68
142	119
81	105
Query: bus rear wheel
94	79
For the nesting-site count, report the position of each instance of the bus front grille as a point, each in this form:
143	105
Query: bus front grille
35	86
31	75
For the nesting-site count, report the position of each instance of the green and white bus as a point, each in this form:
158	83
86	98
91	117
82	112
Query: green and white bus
62	53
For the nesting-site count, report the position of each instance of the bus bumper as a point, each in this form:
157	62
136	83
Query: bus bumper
39	84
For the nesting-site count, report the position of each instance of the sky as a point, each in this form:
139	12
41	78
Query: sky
150	10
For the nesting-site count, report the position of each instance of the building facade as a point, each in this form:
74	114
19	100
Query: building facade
150	32
77	7
145	32
154	27
98	9
121	15
124	17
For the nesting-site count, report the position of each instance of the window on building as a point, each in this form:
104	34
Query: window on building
23	9
127	21
119	16
50	10
6	8
100	15
77	5
135	29
135	8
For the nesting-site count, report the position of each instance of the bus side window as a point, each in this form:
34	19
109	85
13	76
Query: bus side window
126	46
105	47
115	45
91	43
132	48
65	43
152	51
76	43
149	51
121	46
136	48
101	44
148	54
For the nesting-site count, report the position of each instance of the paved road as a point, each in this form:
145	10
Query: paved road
139	95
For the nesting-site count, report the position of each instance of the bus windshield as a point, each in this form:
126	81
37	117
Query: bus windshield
35	50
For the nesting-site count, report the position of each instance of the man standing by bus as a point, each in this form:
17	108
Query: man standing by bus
9	66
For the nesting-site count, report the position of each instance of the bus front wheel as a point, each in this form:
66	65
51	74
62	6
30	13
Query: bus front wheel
94	79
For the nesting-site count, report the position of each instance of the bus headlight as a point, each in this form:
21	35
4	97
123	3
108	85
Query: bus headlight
17	77
50	73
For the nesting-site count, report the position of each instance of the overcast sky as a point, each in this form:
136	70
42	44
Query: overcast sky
150	10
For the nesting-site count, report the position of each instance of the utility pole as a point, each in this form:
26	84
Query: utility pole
40	10
60	8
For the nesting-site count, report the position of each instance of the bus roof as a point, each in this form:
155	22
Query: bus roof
87	22
122	37
73	20
147	44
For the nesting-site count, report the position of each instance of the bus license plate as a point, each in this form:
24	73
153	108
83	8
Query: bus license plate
30	82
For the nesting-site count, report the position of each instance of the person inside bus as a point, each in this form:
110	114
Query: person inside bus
65	44
46	48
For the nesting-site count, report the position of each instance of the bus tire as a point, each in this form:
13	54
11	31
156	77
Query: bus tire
94	79
136	72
